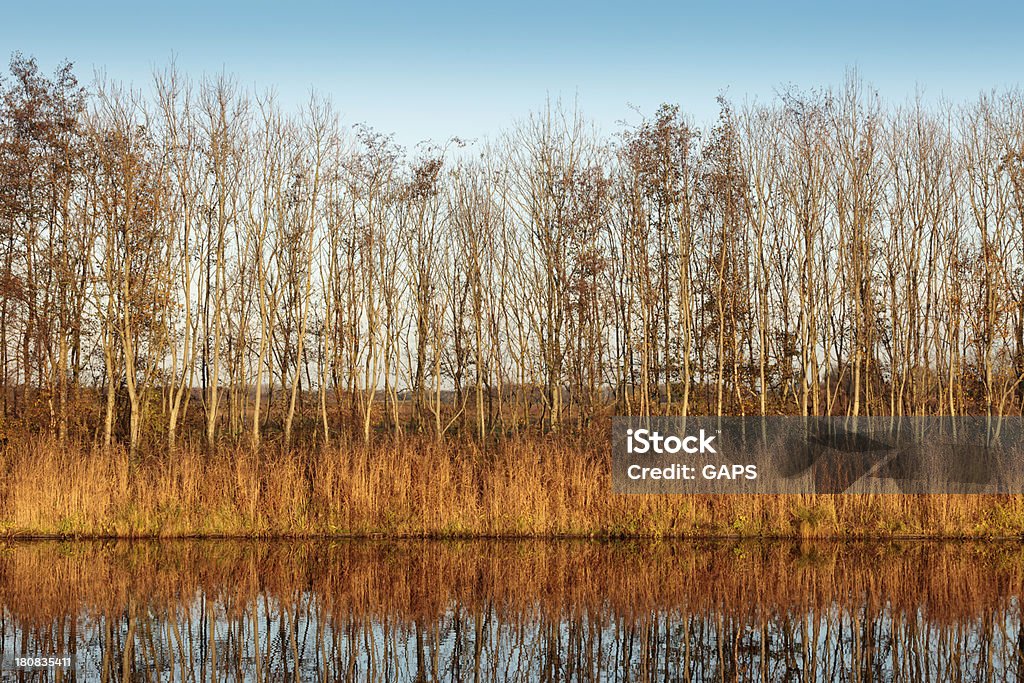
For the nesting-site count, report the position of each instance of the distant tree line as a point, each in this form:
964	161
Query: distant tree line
198	256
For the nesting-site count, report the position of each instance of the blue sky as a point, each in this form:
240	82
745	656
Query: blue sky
432	70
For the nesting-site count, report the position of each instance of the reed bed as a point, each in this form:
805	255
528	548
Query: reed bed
529	487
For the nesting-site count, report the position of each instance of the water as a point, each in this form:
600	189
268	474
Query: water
512	610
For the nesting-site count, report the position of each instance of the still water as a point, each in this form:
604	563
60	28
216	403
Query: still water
512	611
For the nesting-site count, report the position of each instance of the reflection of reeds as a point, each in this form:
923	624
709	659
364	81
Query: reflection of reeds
418	580
418	609
530	487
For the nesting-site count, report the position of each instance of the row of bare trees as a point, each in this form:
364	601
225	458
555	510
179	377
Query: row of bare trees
198	256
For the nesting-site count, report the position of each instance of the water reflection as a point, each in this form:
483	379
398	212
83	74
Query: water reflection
512	611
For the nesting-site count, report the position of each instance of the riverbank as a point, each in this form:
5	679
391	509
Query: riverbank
529	487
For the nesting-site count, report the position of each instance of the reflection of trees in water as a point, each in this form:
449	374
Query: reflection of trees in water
517	611
285	642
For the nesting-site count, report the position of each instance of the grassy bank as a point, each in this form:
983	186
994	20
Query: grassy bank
528	487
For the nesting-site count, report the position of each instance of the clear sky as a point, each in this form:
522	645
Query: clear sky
437	69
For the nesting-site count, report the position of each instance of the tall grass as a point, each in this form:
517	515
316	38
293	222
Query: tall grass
526	487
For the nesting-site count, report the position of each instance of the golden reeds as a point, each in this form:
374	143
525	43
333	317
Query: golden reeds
527	487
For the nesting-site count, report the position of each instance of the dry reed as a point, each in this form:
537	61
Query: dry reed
521	488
